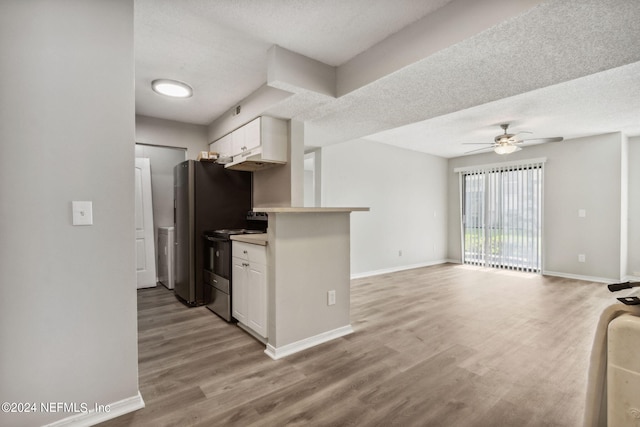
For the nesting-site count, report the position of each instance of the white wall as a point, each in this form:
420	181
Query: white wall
583	173
633	263
153	131
67	293
407	194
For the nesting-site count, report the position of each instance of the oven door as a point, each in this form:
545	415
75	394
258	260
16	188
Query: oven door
217	258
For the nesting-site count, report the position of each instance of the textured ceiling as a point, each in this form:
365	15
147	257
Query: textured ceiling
596	104
220	46
563	68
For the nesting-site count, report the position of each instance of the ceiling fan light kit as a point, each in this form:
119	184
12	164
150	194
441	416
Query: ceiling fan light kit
506	148
507	143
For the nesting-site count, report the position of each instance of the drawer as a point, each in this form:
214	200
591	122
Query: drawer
216	281
249	252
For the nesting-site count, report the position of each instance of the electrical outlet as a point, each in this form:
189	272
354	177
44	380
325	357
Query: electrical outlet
582	258
331	297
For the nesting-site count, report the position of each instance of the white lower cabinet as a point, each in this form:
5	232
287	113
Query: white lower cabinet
239	290
249	293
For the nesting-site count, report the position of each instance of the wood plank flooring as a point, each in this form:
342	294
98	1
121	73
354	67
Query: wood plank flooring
447	345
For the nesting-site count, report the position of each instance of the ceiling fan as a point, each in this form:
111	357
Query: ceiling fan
507	143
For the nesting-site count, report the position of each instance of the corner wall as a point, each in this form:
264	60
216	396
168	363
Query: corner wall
633	264
67	293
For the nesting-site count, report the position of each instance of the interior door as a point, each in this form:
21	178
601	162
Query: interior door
145	247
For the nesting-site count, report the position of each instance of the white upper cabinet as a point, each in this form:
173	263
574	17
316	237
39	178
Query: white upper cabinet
260	144
223	146
247	137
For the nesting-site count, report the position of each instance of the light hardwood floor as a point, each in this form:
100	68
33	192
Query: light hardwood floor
448	345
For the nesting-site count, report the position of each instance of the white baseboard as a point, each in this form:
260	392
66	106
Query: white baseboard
108	412
289	349
580	277
628	278
399	268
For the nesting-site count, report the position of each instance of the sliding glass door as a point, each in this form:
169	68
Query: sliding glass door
502	217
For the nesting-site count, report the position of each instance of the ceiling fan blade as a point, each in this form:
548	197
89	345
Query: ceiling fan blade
554	139
522	131
479	149
477	143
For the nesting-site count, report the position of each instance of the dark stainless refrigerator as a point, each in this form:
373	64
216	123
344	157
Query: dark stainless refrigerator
206	197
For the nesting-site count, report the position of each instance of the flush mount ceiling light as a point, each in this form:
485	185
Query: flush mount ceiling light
172	88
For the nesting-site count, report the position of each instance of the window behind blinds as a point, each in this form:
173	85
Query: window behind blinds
502	216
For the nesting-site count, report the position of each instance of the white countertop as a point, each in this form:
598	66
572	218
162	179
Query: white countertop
307	210
256	239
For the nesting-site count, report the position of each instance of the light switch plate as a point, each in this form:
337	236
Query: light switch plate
331	297
82	213
582	213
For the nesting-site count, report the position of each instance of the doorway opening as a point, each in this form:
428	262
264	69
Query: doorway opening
162	160
312	179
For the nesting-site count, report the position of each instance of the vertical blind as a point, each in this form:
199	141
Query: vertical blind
502	216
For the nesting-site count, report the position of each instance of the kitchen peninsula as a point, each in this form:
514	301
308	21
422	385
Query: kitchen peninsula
308	277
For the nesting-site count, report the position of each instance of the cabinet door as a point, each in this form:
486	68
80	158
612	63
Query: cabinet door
246	138
237	141
222	146
252	134
239	290
257	298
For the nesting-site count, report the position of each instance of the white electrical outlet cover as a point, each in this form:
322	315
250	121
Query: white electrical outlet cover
331	297
82	213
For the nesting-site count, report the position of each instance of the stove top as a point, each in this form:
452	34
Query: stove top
225	233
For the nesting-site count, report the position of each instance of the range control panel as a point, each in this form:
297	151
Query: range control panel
257	216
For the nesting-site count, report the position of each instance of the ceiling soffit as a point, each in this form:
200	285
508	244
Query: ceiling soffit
553	43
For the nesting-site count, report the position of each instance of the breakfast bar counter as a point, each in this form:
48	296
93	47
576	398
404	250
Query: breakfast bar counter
308	256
